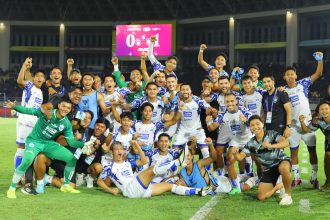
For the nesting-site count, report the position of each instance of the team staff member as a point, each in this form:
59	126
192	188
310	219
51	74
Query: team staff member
276	108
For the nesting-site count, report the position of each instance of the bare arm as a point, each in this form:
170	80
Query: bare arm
174	120
282	143
106	188
287	107
240	156
70	63
201	60
144	67
319	69
143	159
100	101
211	126
213	154
303	125
25	67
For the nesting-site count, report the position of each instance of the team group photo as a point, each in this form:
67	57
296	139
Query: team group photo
203	110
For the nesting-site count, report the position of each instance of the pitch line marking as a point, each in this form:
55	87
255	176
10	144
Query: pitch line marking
206	209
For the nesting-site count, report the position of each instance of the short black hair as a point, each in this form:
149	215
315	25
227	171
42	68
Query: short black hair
103	121
53	68
172	58
230	93
91	113
72	88
246	77
269	76
290	68
254	67
223	77
126	115
254	117
88	74
150	83
111	76
39	71
66	99
321	103
222	55
185	84
164	135
138	69
171	75
146	104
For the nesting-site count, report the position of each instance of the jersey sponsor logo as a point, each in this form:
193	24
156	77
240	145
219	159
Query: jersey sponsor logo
187	115
61	127
144	136
154	114
125	173
252	106
38	100
235	128
294	100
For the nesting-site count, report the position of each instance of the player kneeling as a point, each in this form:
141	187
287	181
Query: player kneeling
268	148
138	186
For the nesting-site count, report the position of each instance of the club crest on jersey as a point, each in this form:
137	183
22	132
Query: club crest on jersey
61	127
31	145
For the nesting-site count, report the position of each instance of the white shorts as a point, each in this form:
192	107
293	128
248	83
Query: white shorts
296	136
238	141
136	189
22	131
183	136
224	184
223	136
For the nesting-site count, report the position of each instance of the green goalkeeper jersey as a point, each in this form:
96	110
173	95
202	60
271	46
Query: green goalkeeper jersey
48	130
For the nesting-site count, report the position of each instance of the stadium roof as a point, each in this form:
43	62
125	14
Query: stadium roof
128	10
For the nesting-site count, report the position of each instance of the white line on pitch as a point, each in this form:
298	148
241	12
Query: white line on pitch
304	161
304	205
206	209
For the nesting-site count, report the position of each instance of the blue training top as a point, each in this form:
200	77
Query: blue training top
195	179
89	102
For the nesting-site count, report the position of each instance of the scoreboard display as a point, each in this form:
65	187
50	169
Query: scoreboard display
131	40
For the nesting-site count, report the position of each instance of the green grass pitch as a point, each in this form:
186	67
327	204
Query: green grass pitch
95	204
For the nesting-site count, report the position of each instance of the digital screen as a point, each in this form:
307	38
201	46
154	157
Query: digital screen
131	40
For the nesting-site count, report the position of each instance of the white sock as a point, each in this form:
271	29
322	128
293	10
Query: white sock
49	179
205	152
162	168
314	171
183	190
252	181
295	169
40	182
248	165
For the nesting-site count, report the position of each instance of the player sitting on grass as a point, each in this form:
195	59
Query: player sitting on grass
195	173
268	148
41	140
323	122
138	186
